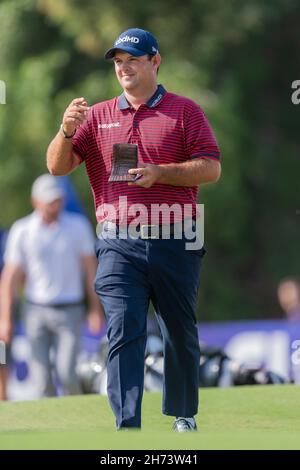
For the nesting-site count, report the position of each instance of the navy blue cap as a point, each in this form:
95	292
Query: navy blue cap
136	42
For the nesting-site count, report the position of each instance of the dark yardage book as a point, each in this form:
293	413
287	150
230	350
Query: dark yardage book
124	158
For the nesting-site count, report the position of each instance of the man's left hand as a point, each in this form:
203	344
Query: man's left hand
148	175
95	321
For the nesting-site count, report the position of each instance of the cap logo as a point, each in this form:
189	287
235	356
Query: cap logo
133	39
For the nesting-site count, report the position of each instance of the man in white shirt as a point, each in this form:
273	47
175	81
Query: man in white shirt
52	253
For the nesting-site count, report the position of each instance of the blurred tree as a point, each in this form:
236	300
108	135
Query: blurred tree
236	59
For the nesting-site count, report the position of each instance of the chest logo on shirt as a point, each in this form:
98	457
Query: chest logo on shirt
108	125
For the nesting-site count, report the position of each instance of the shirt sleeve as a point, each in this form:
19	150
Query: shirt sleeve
199	137
86	237
14	253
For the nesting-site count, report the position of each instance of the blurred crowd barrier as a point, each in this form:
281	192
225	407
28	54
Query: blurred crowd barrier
272	344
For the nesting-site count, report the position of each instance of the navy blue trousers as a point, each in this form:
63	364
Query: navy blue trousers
130	273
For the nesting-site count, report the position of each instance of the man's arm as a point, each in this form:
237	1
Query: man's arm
95	315
189	173
61	159
12	280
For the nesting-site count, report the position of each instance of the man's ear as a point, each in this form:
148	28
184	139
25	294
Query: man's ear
157	60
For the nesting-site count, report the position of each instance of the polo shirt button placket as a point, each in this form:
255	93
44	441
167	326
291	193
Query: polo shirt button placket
135	125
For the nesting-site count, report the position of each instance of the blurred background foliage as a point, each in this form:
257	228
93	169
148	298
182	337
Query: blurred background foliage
237	59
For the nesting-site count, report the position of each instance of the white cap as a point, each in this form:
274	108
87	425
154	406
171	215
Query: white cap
46	189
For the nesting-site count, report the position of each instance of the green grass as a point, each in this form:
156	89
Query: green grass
256	417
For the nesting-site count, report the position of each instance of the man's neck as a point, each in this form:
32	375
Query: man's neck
138	98
46	220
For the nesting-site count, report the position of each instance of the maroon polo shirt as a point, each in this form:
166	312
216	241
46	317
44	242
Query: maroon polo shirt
167	129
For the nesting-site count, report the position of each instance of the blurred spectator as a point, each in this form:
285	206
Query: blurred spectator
53	252
3	237
3	368
289	298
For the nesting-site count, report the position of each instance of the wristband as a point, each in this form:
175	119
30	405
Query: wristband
66	136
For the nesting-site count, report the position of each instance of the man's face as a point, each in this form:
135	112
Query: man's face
135	72
288	294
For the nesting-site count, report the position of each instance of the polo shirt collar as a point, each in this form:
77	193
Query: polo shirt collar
151	103
38	221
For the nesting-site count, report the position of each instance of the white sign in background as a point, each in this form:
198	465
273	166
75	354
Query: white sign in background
2	353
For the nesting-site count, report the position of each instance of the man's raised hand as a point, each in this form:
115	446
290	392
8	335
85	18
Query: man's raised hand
75	115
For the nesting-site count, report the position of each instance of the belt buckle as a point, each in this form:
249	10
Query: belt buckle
146	235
